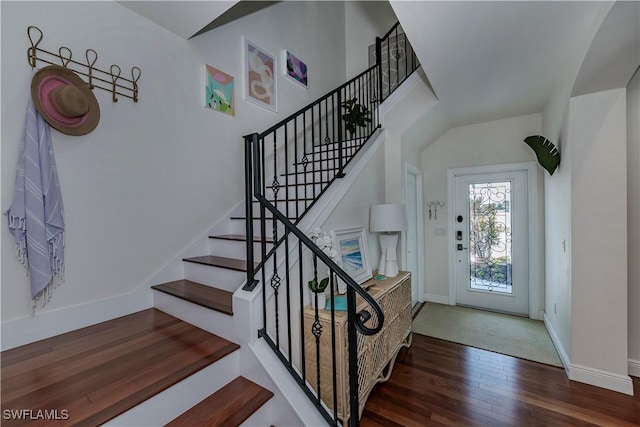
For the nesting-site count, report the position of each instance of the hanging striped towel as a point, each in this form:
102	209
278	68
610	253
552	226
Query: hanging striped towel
36	213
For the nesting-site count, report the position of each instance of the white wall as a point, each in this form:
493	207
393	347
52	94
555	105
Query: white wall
557	202
353	210
489	143
599	287
633	218
557	191
364	21
154	174
408	106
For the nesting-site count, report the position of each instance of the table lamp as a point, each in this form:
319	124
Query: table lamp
389	220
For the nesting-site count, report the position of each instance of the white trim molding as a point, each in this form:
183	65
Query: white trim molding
26	330
634	367
564	357
419	280
438	299
604	379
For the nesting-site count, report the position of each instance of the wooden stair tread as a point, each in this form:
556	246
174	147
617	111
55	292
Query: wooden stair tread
300	184
197	293
292	200
101	371
218	261
229	406
240	238
258	218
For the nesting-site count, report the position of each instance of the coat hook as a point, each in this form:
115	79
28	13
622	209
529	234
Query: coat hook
65	60
31	52
134	71
114	77
90	65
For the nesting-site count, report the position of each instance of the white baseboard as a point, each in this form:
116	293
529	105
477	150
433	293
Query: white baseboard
564	357
634	367
598	378
439	299
26	330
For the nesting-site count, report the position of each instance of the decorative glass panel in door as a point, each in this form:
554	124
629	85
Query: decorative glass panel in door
490	237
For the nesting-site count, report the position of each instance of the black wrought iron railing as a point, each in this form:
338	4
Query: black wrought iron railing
288	168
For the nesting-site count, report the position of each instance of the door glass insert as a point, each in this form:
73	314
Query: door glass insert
490	237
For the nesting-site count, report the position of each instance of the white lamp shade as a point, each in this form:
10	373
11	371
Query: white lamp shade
388	217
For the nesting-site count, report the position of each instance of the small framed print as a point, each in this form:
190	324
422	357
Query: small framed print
219	91
295	69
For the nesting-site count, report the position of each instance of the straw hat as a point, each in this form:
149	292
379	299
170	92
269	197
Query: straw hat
64	100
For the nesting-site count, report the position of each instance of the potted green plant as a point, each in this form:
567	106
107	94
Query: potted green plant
355	115
318	289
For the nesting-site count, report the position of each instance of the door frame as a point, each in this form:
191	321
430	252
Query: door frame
410	169
534	233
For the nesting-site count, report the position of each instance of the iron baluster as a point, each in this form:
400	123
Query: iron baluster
340	137
249	140
352	339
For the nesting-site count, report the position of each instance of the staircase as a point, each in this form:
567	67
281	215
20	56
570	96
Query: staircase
288	169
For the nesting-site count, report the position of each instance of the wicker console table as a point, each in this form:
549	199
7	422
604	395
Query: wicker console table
375	353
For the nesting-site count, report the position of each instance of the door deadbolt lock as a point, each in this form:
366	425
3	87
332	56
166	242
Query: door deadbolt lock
458	235
460	247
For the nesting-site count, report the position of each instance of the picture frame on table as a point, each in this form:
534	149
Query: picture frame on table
260	76
353	252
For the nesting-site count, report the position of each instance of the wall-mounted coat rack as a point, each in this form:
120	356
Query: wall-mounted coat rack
94	77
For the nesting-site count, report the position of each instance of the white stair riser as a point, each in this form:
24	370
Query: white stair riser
239	227
235	248
221	278
331	154
210	320
313	176
282	206
177	399
305	191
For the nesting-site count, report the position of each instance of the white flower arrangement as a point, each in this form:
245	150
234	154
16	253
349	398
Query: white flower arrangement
324	242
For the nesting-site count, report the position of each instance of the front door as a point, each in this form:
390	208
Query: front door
492	241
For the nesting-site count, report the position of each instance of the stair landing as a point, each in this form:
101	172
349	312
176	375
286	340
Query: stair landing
94	374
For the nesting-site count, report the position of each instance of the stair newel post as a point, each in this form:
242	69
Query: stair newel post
379	66
249	141
340	173
352	339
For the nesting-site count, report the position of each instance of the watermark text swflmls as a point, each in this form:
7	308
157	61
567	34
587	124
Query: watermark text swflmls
35	414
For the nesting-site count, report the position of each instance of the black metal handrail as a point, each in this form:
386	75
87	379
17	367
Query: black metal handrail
302	155
396	58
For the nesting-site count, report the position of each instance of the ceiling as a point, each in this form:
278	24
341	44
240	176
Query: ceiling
485	60
488	60
190	18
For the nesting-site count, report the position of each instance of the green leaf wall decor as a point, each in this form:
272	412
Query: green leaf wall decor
547	153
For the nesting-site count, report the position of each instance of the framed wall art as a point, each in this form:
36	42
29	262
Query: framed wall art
295	69
219	90
261	85
353	252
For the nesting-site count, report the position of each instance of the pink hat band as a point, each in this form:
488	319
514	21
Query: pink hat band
63	102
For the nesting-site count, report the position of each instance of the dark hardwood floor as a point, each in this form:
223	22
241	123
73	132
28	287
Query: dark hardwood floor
440	383
88	376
